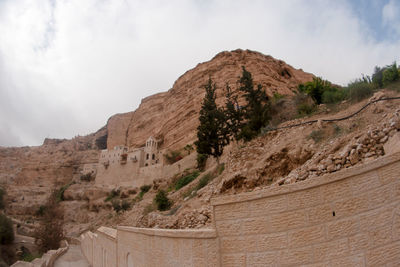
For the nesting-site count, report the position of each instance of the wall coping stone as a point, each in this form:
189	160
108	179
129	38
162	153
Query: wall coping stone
108	232
307	184
173	233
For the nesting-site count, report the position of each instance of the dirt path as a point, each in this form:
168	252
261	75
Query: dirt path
73	258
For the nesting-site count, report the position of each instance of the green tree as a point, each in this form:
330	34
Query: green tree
256	111
233	113
212	133
6	230
162	201
316	88
377	77
390	74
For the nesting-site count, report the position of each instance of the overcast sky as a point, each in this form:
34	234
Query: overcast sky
66	66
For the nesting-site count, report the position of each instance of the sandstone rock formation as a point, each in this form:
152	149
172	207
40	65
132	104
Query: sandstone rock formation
173	116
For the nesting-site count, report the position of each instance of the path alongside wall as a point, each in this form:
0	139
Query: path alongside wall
348	218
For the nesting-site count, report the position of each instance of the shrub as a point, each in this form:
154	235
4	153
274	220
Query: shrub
2	193
201	161
334	95
50	232
315	88
113	194
162	201
186	180
40	211
304	104
305	109
60	193
145	188
125	204
316	135
390	74
359	89
173	156
119	205
6	230
27	256
220	168
204	180
87	177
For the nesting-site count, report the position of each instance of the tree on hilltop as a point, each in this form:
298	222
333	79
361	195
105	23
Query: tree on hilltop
256	111
212	133
233	113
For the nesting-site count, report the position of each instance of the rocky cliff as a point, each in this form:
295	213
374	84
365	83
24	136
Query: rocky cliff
173	116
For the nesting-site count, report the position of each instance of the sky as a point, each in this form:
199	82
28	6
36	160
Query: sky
66	66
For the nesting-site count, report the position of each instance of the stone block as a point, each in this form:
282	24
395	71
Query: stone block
272	241
376	218
342	228
258	225
262	259
234	244
232	211
351	261
330	250
234	260
321	213
336	191
392	145
380	236
229	228
296	256
305	198
382	255
287	220
268	205
382	195
351	206
306	236
365	182
390	173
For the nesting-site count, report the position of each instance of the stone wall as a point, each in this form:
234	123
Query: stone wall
348	218
130	174
129	246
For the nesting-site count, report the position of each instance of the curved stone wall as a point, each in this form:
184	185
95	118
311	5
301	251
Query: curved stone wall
348	218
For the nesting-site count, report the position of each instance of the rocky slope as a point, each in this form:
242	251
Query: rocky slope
30	174
173	116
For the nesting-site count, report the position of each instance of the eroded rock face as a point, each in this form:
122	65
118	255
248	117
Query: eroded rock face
173	116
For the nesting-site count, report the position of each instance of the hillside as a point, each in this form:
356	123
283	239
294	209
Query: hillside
29	174
173	116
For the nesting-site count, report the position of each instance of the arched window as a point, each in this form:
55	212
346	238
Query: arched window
153	157
147	156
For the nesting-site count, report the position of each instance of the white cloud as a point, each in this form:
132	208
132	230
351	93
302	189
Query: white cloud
72	64
391	15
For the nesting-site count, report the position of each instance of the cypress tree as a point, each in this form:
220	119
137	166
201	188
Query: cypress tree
233	113
257	108
212	133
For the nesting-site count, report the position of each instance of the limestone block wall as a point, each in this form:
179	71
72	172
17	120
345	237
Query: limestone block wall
129	246
86	240
162	247
348	218
130	174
